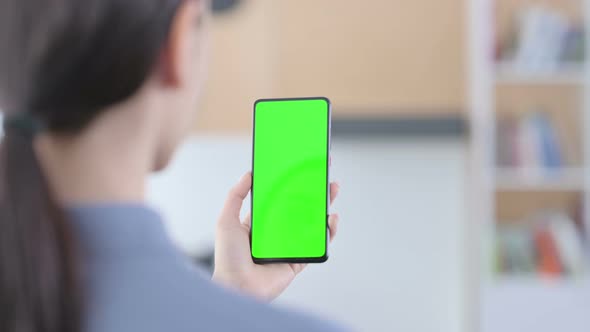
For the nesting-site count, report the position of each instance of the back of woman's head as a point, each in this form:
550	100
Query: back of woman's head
62	64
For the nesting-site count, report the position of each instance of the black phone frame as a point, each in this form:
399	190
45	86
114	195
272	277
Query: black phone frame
323	258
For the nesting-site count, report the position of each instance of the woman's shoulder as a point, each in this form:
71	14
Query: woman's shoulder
156	296
135	279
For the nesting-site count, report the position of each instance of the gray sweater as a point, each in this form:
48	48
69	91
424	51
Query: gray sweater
135	279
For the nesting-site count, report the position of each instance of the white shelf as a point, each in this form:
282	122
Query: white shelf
566	74
528	305
516	179
503	303
539	283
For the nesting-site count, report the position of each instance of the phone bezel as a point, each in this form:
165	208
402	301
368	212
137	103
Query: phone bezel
323	258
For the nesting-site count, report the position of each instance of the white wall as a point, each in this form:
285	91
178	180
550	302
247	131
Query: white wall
397	264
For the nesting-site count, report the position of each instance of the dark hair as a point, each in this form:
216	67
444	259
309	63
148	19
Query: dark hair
61	63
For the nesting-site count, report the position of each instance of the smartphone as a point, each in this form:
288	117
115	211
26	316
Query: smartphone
290	180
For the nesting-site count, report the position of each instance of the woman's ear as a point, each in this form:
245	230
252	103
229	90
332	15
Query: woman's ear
178	52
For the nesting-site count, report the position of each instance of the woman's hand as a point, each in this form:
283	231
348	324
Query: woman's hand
233	263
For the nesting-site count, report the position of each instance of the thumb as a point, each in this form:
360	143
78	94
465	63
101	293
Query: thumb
233	202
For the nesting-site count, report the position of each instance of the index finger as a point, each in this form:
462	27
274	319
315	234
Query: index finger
334	190
233	202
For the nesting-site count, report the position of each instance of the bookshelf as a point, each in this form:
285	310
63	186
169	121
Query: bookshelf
529	103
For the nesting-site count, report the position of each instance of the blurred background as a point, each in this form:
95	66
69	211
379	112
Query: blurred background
395	72
460	143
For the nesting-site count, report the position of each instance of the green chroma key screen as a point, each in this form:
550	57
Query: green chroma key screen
290	180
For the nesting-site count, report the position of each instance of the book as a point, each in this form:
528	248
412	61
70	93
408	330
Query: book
574	46
530	143
542	40
529	149
505	135
548	260
548	244
516	250
568	243
549	145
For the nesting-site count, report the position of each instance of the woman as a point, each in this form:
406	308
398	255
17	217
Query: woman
98	94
